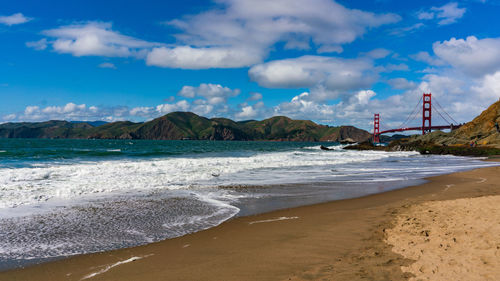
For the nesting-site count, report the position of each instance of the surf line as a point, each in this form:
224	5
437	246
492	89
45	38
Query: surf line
107	268
276	219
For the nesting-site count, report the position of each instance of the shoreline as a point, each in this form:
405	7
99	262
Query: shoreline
342	239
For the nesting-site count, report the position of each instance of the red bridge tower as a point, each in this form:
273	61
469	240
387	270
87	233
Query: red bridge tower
427	113
376	128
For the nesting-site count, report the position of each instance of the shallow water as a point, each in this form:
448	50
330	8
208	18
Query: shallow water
66	197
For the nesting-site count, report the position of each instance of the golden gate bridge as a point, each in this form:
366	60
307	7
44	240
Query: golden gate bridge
427	127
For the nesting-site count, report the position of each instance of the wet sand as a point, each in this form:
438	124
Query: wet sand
342	240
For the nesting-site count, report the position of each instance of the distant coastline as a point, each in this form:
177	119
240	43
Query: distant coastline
186	126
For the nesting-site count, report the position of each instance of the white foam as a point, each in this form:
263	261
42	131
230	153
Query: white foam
108	267
34	186
273	220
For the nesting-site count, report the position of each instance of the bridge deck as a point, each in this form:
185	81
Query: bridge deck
451	127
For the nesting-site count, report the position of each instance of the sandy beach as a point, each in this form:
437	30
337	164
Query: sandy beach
342	240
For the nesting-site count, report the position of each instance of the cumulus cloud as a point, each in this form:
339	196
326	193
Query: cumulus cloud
14	19
446	14
401	84
427	58
326	73
96	39
489	88
82	112
186	57
463	99
239	33
213	93
206	100
255	97
70	111
472	56
378	53
233	34
395	67
301	107
171	107
247	112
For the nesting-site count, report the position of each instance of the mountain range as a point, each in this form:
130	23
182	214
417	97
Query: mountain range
187	125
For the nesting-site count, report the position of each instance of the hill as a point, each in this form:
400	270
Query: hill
187	125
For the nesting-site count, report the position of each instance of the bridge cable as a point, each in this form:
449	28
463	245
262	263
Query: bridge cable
414	117
414	111
445	120
446	112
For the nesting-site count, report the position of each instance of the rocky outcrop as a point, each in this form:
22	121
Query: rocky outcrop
484	129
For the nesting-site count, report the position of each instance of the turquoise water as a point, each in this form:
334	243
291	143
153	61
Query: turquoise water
67	197
31	151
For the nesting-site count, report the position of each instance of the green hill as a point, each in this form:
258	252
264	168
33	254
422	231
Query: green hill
187	125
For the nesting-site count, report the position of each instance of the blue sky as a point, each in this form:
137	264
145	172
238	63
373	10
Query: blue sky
336	63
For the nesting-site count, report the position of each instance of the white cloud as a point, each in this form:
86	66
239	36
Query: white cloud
401	31
256	111
401	84
70	111
488	89
362	97
449	13
446	14
233	34
425	15
378	53
38	45
240	33
14	19
301	107
10	117
326	73
186	57
395	67
247	112
96	39
171	107
78	112
427	58
107	65
472	56
255	97
213	93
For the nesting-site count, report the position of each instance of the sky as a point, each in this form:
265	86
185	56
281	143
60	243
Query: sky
333	62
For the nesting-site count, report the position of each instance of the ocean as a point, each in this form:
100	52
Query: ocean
65	197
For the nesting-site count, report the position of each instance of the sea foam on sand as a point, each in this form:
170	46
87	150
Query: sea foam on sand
450	240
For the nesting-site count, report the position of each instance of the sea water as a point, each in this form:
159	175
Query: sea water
65	197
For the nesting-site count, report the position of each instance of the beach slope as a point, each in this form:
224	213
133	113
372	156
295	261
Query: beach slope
343	240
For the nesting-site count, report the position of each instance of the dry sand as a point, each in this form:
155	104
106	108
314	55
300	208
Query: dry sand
450	240
342	240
